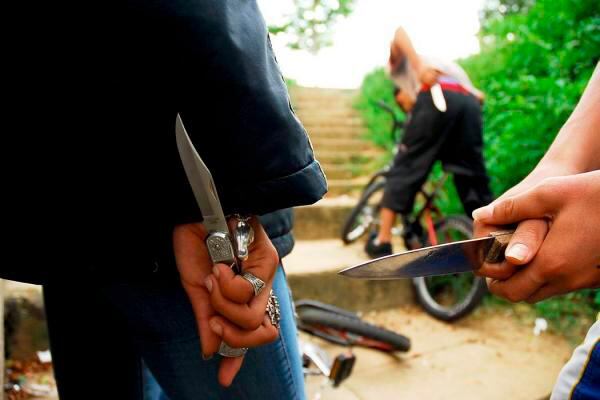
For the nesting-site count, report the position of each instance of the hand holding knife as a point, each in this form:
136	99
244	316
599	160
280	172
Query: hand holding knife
224	246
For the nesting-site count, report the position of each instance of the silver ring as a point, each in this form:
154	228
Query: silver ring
257	284
273	310
227	351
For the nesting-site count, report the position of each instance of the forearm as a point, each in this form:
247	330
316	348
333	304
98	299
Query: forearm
578	142
404	46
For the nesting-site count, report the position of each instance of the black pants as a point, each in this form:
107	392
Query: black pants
455	138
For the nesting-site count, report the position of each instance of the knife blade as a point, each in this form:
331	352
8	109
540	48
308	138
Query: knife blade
437	95
201	181
443	259
218	241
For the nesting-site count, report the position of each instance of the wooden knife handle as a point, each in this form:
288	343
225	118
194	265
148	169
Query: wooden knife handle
495	252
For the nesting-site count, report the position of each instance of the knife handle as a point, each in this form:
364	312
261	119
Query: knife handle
495	251
220	250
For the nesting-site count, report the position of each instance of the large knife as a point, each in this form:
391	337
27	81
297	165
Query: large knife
444	259
437	95
219	242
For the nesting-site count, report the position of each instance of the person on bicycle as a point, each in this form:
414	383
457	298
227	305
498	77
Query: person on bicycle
450	132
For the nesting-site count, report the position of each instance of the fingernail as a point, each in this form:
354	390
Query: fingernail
216	327
206	358
482	213
517	251
208	284
216	271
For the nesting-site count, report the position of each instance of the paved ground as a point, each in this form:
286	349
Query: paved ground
488	356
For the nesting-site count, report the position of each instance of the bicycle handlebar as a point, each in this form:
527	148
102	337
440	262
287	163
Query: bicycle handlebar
396	124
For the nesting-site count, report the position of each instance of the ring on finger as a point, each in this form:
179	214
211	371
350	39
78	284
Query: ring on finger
227	351
273	310
257	284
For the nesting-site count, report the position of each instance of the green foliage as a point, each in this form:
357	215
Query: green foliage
377	87
309	27
572	313
533	68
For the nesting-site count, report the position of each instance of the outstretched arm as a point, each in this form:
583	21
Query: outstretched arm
402	47
555	206
578	142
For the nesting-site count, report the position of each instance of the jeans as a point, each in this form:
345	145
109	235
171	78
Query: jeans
122	328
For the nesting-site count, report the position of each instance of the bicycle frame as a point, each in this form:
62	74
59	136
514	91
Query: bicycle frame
430	209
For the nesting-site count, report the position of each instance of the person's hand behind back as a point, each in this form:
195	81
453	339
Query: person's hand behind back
223	303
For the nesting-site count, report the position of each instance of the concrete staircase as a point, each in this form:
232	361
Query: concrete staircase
335	129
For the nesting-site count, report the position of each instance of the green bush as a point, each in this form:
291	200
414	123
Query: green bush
533	68
376	87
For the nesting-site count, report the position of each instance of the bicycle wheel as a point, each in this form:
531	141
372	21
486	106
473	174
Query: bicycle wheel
451	297
347	329
365	214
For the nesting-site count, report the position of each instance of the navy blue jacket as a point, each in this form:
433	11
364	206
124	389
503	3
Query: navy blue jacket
95	184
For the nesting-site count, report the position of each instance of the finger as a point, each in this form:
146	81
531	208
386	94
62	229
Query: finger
526	241
191	256
523	246
262	262
247	316
238	289
228	369
518	287
499	271
203	311
536	203
232	286
237	337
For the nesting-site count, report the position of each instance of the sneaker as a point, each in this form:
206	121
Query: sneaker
377	250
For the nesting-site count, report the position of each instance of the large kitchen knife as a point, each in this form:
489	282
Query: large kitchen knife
444	259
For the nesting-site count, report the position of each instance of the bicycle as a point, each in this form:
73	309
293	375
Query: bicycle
344	328
448	297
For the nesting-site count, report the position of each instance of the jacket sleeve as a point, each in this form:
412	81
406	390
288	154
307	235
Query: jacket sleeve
235	106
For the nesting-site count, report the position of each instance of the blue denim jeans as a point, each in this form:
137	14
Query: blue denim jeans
134	326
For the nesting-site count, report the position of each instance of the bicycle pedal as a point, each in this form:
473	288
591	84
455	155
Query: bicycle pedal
341	368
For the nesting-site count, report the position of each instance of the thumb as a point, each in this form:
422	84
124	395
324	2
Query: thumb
538	202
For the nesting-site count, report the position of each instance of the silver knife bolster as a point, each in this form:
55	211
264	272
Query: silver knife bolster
220	248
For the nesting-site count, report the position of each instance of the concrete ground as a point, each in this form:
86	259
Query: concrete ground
490	355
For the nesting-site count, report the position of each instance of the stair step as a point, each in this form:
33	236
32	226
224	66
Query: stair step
352	187
322	220
335	132
325	120
312	273
326	156
338	111
341	171
352	145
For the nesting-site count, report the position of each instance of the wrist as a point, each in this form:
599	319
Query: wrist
573	149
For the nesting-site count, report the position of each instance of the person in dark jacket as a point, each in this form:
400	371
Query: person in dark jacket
98	206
